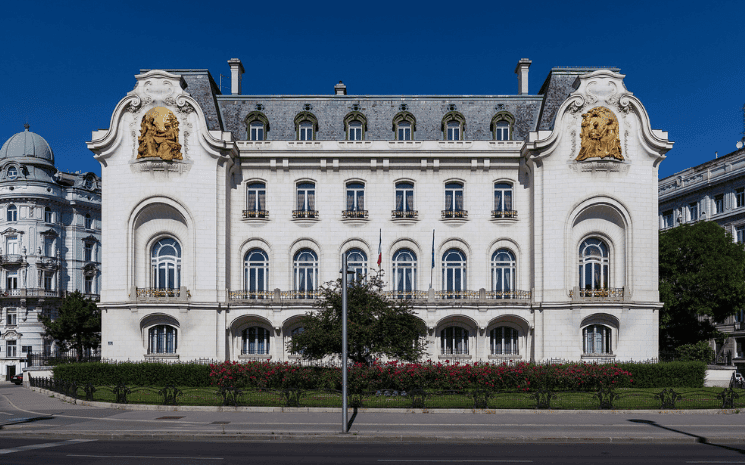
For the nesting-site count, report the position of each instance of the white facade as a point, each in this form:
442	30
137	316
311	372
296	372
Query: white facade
244	270
49	244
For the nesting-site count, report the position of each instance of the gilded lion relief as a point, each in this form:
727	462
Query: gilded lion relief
159	135
599	135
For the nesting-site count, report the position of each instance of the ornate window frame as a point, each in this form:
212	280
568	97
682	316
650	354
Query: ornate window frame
502	116
305	116
453	116
252	117
353	116
403	116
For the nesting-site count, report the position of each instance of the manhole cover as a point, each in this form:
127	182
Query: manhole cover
169	418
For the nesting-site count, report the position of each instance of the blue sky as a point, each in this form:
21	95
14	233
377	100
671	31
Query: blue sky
65	65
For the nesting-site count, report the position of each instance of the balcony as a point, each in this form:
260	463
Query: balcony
261	214
455	214
92	297
354	214
29	292
11	259
269	297
479	296
305	214
504	214
404	214
598	295
151	294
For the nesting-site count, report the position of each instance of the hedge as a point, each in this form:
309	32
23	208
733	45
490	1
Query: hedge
436	376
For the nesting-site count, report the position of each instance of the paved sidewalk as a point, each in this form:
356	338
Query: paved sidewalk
64	419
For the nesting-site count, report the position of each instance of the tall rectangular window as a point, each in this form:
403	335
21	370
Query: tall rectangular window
11	245
453	130
502	198
89	285
88	251
305	131
740	197
740	234
454	196
355	130
48	215
48	281
667	219
355	196
10	349
693	212
256	197
306	196
404	200
404	130
257	130
11	281
719	203
10	317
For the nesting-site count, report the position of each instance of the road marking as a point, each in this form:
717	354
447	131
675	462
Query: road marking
44	446
457	460
714	461
143	457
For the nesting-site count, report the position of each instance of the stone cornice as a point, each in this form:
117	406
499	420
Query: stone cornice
371	149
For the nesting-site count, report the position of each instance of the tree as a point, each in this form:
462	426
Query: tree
376	326
702	279
78	325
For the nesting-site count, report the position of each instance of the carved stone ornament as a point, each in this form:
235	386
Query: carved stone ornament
158	138
599	135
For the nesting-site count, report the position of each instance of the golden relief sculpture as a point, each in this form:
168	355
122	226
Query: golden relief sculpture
159	135
599	135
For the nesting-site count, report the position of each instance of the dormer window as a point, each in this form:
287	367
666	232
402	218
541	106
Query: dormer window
306	125
453	126
12	173
501	125
355	125
404	125
453	132
257	131
257	125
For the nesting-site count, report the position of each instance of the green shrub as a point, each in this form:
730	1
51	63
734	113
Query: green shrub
136	373
699	352
666	374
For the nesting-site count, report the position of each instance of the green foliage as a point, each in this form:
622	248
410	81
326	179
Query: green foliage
376	326
701	352
702	273
667	374
78	325
135	374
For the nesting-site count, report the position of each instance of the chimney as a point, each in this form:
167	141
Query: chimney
340	89
236	74
522	75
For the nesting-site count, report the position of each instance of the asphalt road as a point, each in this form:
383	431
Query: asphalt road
24	451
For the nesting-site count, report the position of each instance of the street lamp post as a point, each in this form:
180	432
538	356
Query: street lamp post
344	281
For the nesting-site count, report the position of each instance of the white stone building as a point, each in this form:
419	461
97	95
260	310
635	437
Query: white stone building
711	191
50	243
215	239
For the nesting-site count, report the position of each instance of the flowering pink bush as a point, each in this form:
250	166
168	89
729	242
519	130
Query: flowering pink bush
428	375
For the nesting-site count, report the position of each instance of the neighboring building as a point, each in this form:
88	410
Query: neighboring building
713	191
50	243
224	213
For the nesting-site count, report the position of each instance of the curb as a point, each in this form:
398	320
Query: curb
199	408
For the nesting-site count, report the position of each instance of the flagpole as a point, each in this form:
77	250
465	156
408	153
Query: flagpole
432	268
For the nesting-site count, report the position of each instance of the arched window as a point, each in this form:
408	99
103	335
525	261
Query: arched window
12	213
12	173
257	125
404	125
593	265
166	264
503	341
162	339
255	200
305	268
501	125
597	339
256	274
453	273
355	125
404	273
453	126
503	206
306	125
357	261
503	273
255	341
48	215
454	340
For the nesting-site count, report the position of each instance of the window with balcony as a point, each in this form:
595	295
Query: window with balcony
454	273
162	339
305	270
11	280
454	206
454	341
256	274
404	273
355	201
404	201
357	262
48	215
255	341
306	201
597	340
255	200
10	349
404	125
503	206
503	273
165	261
594	265
88	251
12	245
503	341
719	203
12	213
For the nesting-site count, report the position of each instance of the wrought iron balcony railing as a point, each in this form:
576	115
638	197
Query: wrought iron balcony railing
504	213
11	259
462	214
255	214
305	214
152	293
354	214
30	292
404	213
608	294
431	295
250	295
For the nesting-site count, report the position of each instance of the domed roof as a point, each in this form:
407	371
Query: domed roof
27	144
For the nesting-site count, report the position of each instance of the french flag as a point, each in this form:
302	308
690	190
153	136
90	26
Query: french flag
380	249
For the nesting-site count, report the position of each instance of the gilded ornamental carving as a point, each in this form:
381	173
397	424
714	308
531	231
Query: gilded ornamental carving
599	135
159	135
